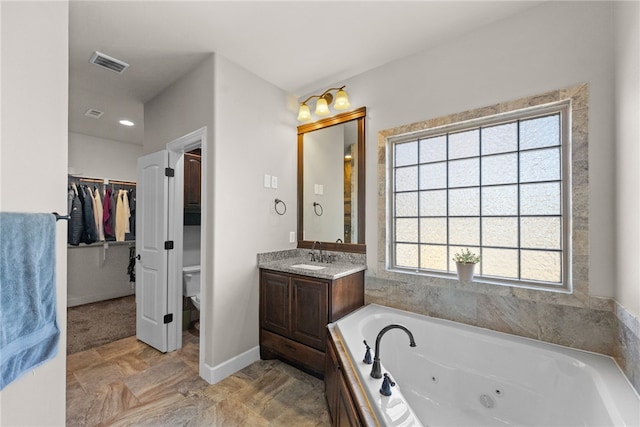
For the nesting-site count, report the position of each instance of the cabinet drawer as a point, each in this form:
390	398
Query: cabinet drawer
293	351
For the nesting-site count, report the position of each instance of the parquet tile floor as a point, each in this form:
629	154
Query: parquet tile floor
127	383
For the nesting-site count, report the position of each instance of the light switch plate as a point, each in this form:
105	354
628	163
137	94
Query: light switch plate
320	189
267	181
274	182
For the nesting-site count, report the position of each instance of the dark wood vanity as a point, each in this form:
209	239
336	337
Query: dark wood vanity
296	304
295	310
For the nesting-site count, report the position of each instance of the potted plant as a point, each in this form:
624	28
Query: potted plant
465	263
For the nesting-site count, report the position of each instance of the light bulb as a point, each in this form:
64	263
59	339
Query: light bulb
342	100
304	113
322	109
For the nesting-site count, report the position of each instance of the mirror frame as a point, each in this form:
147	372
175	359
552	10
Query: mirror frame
358	115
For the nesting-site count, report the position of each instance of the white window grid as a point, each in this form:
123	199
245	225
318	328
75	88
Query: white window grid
559	109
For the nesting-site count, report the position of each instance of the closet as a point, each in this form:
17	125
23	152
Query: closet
101	239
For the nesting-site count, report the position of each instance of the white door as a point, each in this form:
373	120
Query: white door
151	234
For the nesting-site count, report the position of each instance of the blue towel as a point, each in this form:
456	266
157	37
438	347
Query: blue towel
28	329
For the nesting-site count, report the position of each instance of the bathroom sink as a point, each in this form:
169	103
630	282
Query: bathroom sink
309	267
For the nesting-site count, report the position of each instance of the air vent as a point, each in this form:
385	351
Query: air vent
92	112
105	61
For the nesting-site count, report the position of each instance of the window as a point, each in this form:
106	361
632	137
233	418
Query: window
497	185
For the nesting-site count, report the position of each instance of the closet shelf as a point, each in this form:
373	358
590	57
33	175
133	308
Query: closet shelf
101	243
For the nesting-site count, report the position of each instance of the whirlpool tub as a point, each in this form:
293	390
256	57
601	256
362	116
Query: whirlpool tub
460	375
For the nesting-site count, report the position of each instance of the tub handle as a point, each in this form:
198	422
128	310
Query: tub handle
387	383
367	355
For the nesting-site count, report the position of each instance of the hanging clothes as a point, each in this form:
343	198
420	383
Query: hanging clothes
98	213
107	214
89	234
122	215
76	220
127	211
94	206
131	268
132	209
113	201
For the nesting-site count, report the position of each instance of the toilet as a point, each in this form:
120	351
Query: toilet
191	284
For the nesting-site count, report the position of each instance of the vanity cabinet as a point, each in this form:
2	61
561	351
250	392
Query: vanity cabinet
295	310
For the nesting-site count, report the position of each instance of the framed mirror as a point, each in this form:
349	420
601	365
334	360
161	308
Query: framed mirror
331	187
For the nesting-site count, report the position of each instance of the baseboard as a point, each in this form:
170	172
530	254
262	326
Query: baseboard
87	299
214	374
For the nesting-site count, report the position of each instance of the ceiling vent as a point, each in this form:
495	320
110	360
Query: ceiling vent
92	112
105	61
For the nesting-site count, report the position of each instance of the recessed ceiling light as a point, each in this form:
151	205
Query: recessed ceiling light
126	122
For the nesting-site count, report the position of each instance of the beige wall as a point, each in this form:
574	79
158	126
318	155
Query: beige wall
33	173
508	60
627	109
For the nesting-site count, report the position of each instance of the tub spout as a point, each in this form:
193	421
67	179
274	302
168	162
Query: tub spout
376	371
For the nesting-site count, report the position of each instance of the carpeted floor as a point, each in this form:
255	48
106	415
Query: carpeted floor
99	323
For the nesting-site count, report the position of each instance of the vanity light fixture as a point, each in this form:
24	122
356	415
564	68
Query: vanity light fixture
126	122
323	102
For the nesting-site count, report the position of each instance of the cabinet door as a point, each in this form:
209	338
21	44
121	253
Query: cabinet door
310	311
347	414
331	373
275	304
192	174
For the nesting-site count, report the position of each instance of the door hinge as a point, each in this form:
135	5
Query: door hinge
168	318
168	245
170	172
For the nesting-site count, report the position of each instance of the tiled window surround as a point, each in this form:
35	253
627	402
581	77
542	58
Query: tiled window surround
576	320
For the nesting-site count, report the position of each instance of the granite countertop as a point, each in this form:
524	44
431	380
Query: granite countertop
331	271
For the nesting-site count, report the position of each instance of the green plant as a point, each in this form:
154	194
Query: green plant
466	257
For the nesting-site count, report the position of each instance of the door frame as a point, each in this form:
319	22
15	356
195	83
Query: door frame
176	149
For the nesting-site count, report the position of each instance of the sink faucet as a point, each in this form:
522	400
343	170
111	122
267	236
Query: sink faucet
318	257
376	371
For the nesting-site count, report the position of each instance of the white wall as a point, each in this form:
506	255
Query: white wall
250	141
551	46
33	173
183	107
245	141
627	109
94	157
191	245
96	273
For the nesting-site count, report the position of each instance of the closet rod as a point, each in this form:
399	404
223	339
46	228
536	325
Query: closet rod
101	181
113	181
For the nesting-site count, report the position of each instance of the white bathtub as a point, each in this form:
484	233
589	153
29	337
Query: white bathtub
460	375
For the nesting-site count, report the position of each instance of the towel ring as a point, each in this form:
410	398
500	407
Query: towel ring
278	201
315	208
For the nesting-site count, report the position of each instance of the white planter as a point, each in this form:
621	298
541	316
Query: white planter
465	272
